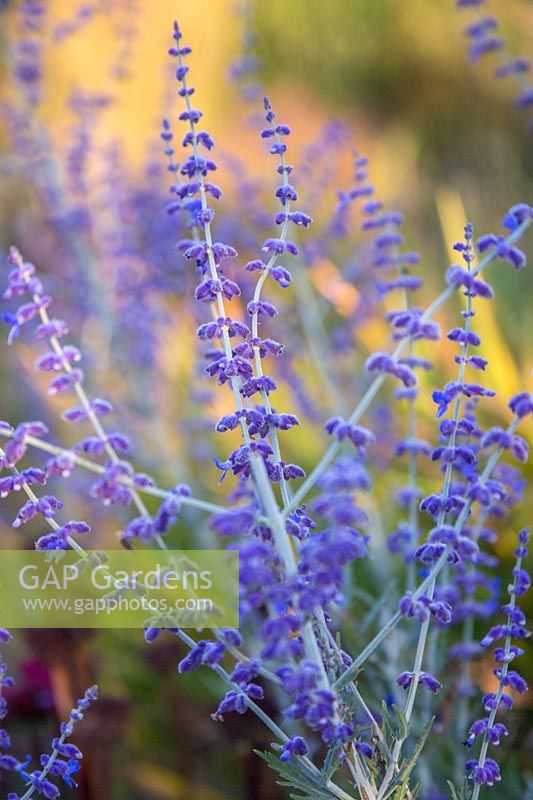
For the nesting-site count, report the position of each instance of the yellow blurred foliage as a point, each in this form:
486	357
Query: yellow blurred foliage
503	374
168	785
85	59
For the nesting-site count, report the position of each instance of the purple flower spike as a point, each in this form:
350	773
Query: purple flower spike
486	771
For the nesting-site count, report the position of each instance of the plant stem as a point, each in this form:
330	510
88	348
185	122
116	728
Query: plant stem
435	570
379	380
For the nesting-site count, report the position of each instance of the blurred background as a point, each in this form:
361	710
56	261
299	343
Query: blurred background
83	190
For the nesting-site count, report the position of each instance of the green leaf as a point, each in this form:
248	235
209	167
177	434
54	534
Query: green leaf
462	792
403	775
331	762
402	720
349	701
397	726
296	776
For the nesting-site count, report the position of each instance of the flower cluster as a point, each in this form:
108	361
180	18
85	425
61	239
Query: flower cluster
450	541
117	484
238	364
483	770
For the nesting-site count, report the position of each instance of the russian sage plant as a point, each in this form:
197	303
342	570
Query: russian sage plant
362	677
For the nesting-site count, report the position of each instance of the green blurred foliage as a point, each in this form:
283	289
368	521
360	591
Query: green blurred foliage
399	69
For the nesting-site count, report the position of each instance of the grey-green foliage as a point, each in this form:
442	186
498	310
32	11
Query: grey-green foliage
308	785
461	792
